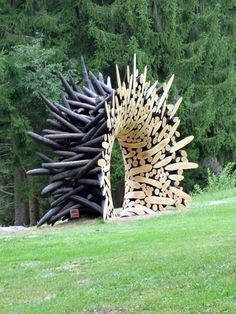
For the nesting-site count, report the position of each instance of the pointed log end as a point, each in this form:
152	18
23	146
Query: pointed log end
83	66
82	60
171	79
31	134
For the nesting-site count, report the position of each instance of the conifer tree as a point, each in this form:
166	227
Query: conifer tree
194	39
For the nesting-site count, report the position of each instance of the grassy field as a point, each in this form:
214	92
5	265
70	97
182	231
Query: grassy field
179	263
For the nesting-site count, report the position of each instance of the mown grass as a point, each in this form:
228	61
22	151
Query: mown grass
179	263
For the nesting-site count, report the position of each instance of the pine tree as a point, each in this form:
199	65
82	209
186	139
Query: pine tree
194	39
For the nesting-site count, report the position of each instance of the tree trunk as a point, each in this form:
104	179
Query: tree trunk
118	195
21	206
33	210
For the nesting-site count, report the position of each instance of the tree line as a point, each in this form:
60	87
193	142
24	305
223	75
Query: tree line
194	39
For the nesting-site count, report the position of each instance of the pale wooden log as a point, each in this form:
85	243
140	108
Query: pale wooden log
180	172
166	90
156	158
159	200
164	122
151	182
176	107
181	165
133	185
174	128
151	90
154	150
166	185
176	177
163	110
145	168
134	74
105	145
181	143
118	77
180	193
102	162
136	194
133	145
144	209
162	133
163	162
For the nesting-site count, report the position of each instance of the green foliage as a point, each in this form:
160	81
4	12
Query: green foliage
193	39
225	181
117	166
35	68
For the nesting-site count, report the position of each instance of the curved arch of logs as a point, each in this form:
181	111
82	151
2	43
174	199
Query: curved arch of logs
81	133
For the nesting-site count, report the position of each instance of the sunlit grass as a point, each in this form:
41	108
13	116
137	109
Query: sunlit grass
179	263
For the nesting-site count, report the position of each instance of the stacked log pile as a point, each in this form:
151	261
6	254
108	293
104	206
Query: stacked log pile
75	135
82	131
146	128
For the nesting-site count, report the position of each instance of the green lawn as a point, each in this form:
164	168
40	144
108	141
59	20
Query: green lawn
179	263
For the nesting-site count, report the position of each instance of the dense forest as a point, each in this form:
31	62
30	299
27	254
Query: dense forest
194	39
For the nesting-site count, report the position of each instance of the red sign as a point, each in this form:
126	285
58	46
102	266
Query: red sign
74	213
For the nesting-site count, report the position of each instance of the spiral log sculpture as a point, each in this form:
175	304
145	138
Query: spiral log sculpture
82	132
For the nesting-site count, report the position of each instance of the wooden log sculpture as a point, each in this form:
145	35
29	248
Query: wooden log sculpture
82	132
